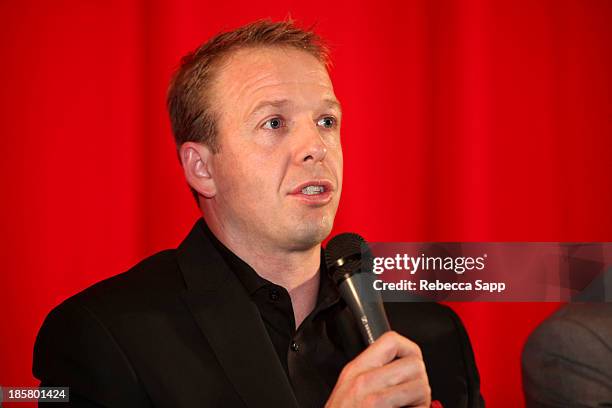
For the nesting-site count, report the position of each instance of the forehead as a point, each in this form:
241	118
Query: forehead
251	73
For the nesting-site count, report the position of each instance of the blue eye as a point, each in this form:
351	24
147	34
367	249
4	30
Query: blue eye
274	123
327	122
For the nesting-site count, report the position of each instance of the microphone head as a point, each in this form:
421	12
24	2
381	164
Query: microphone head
349	262
344	256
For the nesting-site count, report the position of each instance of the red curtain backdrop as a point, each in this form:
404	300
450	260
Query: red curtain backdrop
464	121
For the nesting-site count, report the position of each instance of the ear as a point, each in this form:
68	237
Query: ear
196	161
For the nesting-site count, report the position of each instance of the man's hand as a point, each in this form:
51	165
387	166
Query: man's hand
389	373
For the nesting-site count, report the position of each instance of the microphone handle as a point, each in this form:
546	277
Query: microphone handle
366	305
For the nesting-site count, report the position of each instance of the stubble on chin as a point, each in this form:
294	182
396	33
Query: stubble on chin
310	233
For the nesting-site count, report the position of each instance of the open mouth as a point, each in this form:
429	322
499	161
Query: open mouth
313	190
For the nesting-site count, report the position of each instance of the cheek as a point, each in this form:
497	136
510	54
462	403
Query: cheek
337	159
337	165
246	177
229	173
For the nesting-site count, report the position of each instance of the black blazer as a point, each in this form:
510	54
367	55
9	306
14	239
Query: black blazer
179	330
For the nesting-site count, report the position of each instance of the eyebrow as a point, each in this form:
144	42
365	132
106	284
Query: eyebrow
279	103
333	103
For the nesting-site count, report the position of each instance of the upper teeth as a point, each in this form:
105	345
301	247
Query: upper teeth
313	190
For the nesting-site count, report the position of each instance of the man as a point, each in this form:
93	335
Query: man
243	313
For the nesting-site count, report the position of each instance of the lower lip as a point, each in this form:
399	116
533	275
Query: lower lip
314	199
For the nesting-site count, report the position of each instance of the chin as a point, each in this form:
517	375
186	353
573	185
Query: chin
308	234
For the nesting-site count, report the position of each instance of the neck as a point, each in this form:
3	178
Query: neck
295	270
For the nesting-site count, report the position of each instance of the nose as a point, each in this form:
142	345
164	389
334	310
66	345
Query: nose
313	147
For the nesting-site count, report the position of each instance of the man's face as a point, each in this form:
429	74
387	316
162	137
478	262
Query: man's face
278	173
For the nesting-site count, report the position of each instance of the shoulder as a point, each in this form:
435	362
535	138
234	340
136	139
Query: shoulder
592	317
571	328
81	342
570	354
146	285
94	312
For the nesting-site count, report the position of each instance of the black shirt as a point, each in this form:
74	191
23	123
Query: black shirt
313	354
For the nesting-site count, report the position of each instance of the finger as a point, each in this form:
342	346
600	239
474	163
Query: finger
414	393
396	372
384	350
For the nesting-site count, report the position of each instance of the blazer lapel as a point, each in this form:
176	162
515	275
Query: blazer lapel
232	324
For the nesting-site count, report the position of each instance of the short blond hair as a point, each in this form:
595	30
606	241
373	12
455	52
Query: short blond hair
189	104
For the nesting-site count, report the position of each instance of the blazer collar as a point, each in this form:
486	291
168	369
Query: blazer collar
231	323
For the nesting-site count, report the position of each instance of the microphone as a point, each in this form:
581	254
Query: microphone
349	271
